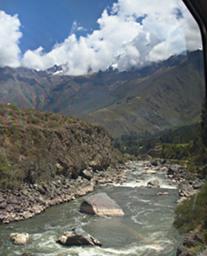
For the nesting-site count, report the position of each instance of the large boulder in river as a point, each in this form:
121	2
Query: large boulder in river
19	238
78	237
101	205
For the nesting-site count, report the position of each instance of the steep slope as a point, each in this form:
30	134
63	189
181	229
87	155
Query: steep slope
169	98
23	87
36	147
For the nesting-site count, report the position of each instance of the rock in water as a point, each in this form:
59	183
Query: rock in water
19	238
162	193
154	183
78	237
101	205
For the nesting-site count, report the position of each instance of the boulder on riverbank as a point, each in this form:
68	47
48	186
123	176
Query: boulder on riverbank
26	202
19	238
101	205
87	173
78	237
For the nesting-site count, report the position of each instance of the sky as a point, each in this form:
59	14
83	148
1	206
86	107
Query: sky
91	35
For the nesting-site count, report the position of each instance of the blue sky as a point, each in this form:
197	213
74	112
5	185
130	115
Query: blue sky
47	22
85	36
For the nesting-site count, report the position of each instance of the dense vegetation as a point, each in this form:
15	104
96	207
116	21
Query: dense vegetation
191	219
171	144
192	213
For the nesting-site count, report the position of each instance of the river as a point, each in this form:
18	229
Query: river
146	229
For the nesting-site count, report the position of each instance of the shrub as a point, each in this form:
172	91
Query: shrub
176	151
192	212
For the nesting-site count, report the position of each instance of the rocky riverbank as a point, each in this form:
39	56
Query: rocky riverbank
24	203
188	184
47	159
33	199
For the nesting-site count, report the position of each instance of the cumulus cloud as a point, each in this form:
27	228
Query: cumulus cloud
133	33
9	40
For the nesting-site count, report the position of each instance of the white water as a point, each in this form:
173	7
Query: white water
141	174
146	230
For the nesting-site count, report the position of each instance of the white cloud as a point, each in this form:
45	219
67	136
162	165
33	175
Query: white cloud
9	40
132	33
77	27
96	51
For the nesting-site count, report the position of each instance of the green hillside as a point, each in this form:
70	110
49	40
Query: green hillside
36	146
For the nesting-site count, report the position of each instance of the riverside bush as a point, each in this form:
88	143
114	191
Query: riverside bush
192	212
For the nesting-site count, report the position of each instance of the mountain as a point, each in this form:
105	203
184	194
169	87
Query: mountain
170	97
148	100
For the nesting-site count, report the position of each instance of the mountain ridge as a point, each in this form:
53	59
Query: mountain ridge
122	102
